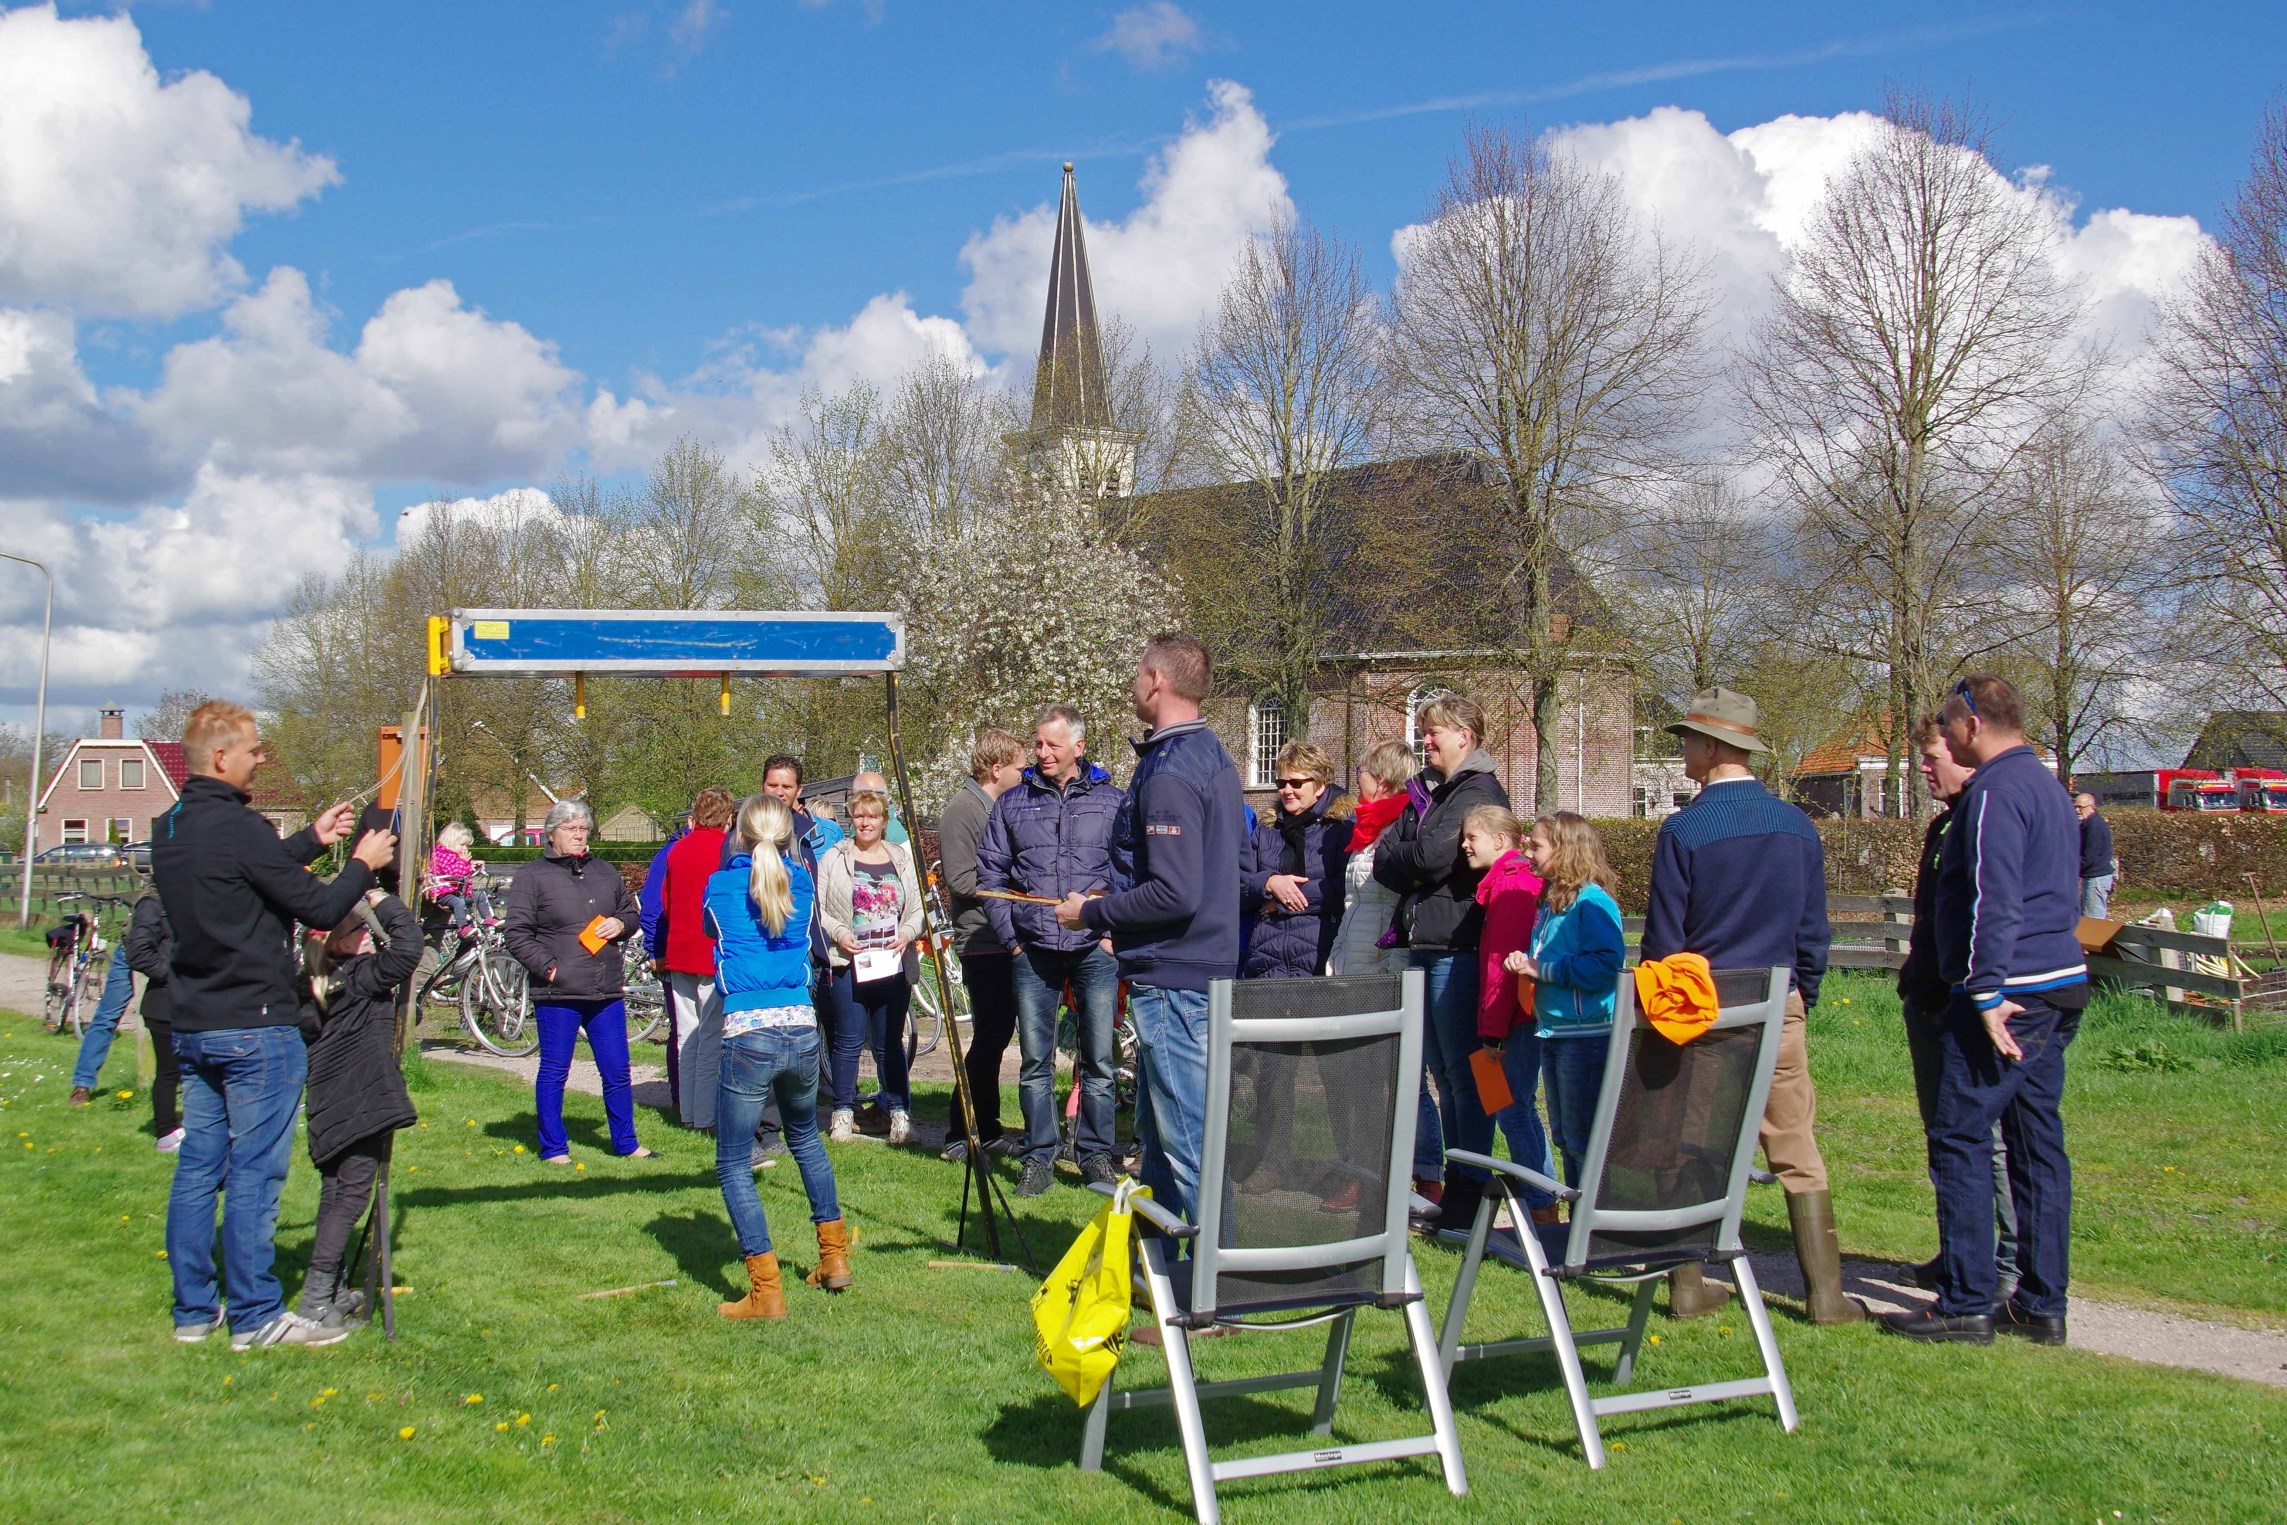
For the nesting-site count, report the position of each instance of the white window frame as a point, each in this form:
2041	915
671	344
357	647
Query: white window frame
75	833
142	772
1266	738
86	763
1421	694
122	829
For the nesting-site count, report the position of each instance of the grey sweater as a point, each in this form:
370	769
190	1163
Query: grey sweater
960	827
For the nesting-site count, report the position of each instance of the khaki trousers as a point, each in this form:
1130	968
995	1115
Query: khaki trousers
1788	1117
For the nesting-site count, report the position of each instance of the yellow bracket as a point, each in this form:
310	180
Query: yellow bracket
579	696
440	647
726	698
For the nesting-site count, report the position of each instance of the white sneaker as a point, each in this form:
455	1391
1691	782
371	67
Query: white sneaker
900	1127
191	1334
843	1127
289	1329
169	1142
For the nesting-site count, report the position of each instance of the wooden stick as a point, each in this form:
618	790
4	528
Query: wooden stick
641	1286
970	1265
1030	899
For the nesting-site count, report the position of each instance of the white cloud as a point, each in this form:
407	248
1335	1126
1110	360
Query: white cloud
1151	36
1159	269
120	193
57	435
513	509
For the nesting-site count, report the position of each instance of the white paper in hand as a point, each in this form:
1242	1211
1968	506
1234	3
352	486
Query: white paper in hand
875	964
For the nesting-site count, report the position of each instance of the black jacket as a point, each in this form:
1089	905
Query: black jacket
1284	944
1420	857
550	902
150	950
1919	983
356	1089
232	893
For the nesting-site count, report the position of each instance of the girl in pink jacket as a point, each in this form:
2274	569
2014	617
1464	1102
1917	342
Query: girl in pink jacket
1492	838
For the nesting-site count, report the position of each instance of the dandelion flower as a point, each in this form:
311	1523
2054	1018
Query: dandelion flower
318	1402
472	1122
1655	1339
523	1419
474	1398
228	1380
406	1433
547	1440
124	1218
330	1392
554	1385
579	1167
162	1254
124	1095
500	1428
519	1148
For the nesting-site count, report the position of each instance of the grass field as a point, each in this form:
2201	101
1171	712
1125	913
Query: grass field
914	1396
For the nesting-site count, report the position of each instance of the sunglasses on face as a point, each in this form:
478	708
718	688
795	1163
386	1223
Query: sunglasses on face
1296	783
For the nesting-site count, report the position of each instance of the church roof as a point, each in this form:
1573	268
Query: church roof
1070	390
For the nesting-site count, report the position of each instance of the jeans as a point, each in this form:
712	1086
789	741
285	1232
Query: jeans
872	1015
1039	976
2096	895
1171	1102
990	981
1976	1086
95	1043
696	1044
1573	1070
1520	1120
1922	1028
770	1064
345	1190
241	1088
1449	1037
560	1024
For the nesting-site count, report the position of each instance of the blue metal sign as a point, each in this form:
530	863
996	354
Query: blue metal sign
509	642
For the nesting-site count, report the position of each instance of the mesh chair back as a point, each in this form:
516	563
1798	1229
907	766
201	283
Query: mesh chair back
1666	1174
1311	1088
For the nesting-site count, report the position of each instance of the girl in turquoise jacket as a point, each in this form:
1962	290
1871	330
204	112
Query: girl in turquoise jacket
1575	963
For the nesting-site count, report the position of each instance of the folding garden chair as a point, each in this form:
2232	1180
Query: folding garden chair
1311	1090
1663	1184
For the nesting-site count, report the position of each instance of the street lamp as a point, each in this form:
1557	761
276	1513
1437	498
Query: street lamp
39	733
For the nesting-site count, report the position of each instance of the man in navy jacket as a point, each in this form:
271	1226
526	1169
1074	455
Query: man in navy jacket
2008	905
1173	914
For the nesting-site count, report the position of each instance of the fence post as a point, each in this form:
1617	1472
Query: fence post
2165	919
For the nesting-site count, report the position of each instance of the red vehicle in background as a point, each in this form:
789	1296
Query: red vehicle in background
2262	791
2198	790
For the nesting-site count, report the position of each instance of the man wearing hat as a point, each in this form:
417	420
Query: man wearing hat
1739	877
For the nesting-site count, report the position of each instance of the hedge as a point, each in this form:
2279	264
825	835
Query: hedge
609	852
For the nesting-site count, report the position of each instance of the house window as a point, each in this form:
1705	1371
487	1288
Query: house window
122	830
130	772
1416	702
91	773
1266	734
75	831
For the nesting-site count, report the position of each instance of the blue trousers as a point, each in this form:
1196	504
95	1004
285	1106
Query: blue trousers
241	1089
1520	1120
1171	1101
1976	1087
1039	975
770	1064
869	1015
95	1043
1922	1049
1572	1068
560	1024
1449	1037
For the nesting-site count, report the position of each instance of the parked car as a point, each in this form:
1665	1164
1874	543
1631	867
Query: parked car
82	855
138	856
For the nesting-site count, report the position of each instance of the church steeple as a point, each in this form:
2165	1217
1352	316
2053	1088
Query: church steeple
1069	390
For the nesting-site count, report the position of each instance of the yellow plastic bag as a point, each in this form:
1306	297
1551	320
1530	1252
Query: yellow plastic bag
1080	1314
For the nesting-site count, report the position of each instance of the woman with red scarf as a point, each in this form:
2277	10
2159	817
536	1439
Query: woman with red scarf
1368	940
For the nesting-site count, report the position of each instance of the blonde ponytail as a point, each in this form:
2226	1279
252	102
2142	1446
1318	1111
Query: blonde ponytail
766	826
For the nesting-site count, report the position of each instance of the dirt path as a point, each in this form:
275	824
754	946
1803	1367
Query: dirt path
2113	1329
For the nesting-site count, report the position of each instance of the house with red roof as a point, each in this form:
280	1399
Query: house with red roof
112	787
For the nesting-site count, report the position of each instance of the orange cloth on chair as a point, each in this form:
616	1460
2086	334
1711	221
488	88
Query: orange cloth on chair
1676	995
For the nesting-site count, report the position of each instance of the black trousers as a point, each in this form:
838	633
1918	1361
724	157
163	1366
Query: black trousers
1923	1026
167	1085
992	1027
345	1189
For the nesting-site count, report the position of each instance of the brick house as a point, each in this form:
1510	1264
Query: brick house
112	787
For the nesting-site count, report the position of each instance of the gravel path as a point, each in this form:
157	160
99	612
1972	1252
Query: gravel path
2113	1329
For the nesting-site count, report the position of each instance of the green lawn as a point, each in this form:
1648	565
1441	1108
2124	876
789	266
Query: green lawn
914	1396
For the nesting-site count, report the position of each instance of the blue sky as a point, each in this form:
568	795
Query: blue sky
342	259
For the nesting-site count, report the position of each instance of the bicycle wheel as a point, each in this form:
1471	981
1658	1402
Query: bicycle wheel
52	1014
646	1001
926	1016
496	1006
84	997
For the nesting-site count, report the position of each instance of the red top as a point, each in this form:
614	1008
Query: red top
1511	895
689	863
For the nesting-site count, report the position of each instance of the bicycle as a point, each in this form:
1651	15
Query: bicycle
476	976
75	972
646	995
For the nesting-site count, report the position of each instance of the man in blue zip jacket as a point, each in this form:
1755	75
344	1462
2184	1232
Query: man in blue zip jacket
2008	906
1174	911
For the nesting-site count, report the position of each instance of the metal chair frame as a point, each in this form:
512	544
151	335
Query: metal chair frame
1399	1289
1529	1255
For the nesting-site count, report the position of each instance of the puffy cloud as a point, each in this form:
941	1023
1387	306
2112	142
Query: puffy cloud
1205	195
57	436
120	193
1151	36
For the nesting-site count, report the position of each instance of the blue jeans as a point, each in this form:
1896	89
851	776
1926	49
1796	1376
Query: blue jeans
770	1064
1520	1120
1449	1037
1171	1102
1976	1086
1039	975
241	1088
871	1015
560	1024
2096	895
95	1044
1573	1070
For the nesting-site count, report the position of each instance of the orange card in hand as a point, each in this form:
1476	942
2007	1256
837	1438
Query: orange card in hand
1493	1091
591	939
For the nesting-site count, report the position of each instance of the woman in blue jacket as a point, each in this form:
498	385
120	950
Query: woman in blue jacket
758	908
1575	964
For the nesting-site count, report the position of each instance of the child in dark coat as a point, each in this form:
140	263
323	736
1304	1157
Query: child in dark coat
356	1099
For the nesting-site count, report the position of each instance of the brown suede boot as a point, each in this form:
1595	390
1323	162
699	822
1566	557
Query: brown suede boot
765	1293
1691	1295
833	1269
1811	1215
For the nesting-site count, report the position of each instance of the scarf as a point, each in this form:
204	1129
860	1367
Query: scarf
1373	818
1294	831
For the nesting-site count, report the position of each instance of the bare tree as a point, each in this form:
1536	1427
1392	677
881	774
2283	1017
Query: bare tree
1911	353
1536	324
822	497
941	452
1284	390
2221	407
687	531
164	720
1695	580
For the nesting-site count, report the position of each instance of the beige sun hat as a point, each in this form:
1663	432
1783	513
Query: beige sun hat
1721	715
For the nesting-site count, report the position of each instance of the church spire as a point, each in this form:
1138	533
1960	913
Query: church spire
1069	390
